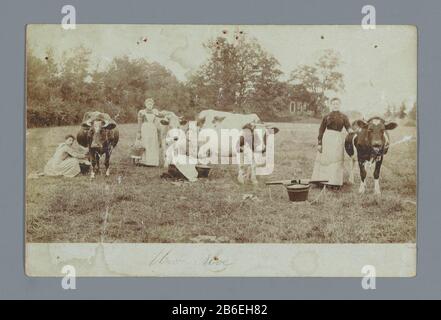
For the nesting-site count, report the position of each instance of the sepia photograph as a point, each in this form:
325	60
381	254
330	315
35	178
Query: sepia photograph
248	150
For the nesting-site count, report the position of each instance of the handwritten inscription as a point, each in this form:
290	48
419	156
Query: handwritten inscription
164	257
215	263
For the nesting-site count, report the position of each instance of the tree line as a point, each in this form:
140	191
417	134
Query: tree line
401	112
238	76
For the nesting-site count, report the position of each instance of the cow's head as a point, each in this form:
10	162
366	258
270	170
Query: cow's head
174	128
260	132
173	122
98	132
375	133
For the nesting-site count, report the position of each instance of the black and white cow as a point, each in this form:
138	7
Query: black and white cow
99	134
242	144
368	145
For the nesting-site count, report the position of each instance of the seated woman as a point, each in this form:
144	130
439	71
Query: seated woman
65	161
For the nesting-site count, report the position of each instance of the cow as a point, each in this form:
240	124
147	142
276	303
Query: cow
368	145
99	134
241	143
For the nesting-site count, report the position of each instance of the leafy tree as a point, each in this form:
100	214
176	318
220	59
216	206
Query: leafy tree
238	76
42	79
74	71
402	112
60	93
267	87
320	77
128	82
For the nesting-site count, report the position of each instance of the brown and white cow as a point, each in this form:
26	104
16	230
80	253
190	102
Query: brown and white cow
243	135
368	145
99	134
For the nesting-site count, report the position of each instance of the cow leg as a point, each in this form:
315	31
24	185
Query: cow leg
362	188
368	168
97	161
108	153
93	162
107	163
377	176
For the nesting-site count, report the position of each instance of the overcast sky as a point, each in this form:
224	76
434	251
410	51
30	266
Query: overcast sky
379	66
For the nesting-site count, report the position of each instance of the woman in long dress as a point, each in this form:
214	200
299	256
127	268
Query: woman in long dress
329	163
65	161
148	134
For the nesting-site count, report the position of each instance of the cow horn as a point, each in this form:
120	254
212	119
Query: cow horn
249	126
86	120
274	129
87	123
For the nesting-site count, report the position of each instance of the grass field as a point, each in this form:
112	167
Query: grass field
144	208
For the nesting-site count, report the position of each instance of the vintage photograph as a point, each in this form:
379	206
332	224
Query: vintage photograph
207	135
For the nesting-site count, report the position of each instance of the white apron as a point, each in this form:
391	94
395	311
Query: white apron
150	141
329	163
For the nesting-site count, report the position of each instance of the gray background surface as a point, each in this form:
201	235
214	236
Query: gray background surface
14	15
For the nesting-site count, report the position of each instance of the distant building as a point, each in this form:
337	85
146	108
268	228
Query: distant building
303	102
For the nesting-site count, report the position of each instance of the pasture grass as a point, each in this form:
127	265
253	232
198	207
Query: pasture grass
142	207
